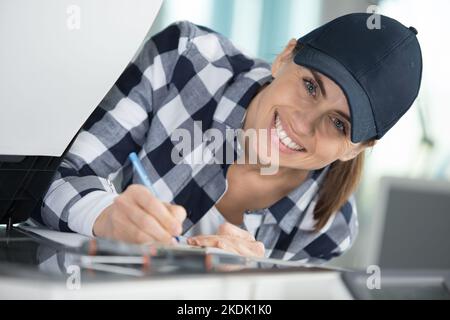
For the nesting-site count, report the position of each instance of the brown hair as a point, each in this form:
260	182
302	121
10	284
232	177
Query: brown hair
340	182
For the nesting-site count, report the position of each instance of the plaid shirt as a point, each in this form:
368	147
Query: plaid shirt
185	73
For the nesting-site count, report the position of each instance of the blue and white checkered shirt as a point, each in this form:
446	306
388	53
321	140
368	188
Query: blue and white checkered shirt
185	73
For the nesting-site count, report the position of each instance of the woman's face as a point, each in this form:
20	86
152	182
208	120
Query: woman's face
306	114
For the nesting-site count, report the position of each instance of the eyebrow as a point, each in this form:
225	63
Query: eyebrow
318	79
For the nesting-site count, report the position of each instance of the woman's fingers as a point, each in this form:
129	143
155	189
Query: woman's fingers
230	244
229	229
143	221
150	226
138	216
125	230
178	212
214	242
150	204
259	249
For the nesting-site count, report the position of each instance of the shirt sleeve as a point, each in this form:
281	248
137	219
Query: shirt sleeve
80	189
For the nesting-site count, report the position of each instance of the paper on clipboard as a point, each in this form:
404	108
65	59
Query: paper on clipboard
68	239
74	240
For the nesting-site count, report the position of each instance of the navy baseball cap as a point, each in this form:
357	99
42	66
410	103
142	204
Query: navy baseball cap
379	69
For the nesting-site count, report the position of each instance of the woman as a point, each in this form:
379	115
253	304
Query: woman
325	99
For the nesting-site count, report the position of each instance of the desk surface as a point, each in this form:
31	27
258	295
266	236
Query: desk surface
35	269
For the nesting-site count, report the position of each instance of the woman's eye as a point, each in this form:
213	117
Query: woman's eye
310	87
340	125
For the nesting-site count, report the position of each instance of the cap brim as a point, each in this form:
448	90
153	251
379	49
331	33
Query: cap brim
362	120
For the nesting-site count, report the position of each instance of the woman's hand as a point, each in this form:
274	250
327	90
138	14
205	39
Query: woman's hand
137	216
232	239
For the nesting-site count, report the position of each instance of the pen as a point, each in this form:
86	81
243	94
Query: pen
145	180
181	239
139	168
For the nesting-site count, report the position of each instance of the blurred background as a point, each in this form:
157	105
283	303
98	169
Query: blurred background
404	198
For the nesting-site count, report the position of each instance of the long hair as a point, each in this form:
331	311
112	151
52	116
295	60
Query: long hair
340	182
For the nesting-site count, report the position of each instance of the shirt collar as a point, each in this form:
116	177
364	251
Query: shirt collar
232	107
297	208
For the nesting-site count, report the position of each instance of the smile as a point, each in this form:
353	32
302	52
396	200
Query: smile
284	137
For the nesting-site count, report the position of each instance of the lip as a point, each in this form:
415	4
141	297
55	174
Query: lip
290	133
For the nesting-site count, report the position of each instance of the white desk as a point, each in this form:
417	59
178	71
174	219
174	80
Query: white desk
324	285
31	269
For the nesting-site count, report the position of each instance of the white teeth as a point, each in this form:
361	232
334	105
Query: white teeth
285	139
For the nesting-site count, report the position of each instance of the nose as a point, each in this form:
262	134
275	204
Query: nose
304	123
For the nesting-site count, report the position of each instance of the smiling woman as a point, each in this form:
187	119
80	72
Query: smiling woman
323	101
309	126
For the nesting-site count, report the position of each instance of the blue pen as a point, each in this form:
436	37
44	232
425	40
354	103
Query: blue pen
145	180
139	168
